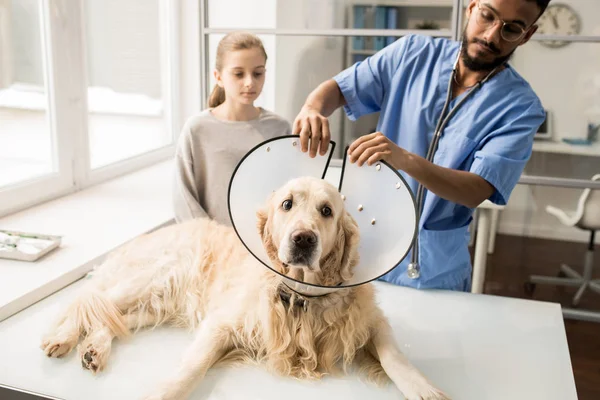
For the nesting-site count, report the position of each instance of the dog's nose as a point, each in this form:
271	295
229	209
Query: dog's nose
304	239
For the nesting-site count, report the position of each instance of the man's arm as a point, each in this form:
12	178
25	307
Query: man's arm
461	187
360	89
326	98
311	123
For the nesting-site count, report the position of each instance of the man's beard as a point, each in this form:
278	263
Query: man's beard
477	65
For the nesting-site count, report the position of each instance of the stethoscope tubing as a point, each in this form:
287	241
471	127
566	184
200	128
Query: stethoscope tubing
413	267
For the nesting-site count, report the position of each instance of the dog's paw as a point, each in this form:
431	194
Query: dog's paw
58	345
95	349
93	358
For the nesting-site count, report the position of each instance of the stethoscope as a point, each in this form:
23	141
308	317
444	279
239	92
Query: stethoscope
414	270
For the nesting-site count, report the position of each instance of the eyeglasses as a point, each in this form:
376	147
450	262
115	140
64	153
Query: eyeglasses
487	18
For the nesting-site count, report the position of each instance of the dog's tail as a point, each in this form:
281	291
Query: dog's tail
93	311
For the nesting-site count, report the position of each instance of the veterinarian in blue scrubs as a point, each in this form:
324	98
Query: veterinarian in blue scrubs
483	147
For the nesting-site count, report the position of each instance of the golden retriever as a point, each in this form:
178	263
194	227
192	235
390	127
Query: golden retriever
199	275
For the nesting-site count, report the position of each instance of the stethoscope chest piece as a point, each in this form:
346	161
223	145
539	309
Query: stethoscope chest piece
413	271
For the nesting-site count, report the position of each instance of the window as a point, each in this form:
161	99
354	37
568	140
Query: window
26	138
88	91
126	79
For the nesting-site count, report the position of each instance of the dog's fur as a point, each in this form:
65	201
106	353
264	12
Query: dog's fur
199	275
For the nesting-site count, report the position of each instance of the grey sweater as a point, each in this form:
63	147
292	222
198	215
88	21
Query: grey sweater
208	150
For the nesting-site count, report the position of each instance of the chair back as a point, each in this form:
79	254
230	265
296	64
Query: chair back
590	201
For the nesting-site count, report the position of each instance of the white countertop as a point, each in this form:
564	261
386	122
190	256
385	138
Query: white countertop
475	347
92	222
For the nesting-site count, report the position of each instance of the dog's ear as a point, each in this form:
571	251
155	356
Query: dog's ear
339	263
264	230
262	216
351	237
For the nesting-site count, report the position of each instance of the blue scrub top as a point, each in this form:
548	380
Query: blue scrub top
491	135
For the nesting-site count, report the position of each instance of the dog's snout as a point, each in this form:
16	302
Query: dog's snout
304	239
303	247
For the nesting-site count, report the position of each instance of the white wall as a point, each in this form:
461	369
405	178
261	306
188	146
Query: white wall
303	62
562	77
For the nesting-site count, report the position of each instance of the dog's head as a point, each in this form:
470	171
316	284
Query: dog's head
308	234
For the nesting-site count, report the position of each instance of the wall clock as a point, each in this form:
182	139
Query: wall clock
558	19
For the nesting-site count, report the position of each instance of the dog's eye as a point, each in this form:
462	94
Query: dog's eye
326	211
287	204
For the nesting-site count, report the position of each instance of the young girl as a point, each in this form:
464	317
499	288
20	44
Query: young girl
213	142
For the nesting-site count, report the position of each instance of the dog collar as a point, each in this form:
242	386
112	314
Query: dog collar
376	196
289	297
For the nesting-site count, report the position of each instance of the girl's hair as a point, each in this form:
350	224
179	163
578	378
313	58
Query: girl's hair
232	42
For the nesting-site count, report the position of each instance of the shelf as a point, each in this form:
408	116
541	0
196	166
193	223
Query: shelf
365	52
556	147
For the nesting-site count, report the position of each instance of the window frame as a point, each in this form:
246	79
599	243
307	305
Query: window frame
64	67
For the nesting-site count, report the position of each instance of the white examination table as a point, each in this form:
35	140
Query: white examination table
475	347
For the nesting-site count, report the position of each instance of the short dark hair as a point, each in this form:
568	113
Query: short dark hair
542	4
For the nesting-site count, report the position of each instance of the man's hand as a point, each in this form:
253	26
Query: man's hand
313	128
461	187
375	147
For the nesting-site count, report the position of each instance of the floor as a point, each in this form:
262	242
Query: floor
514	259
